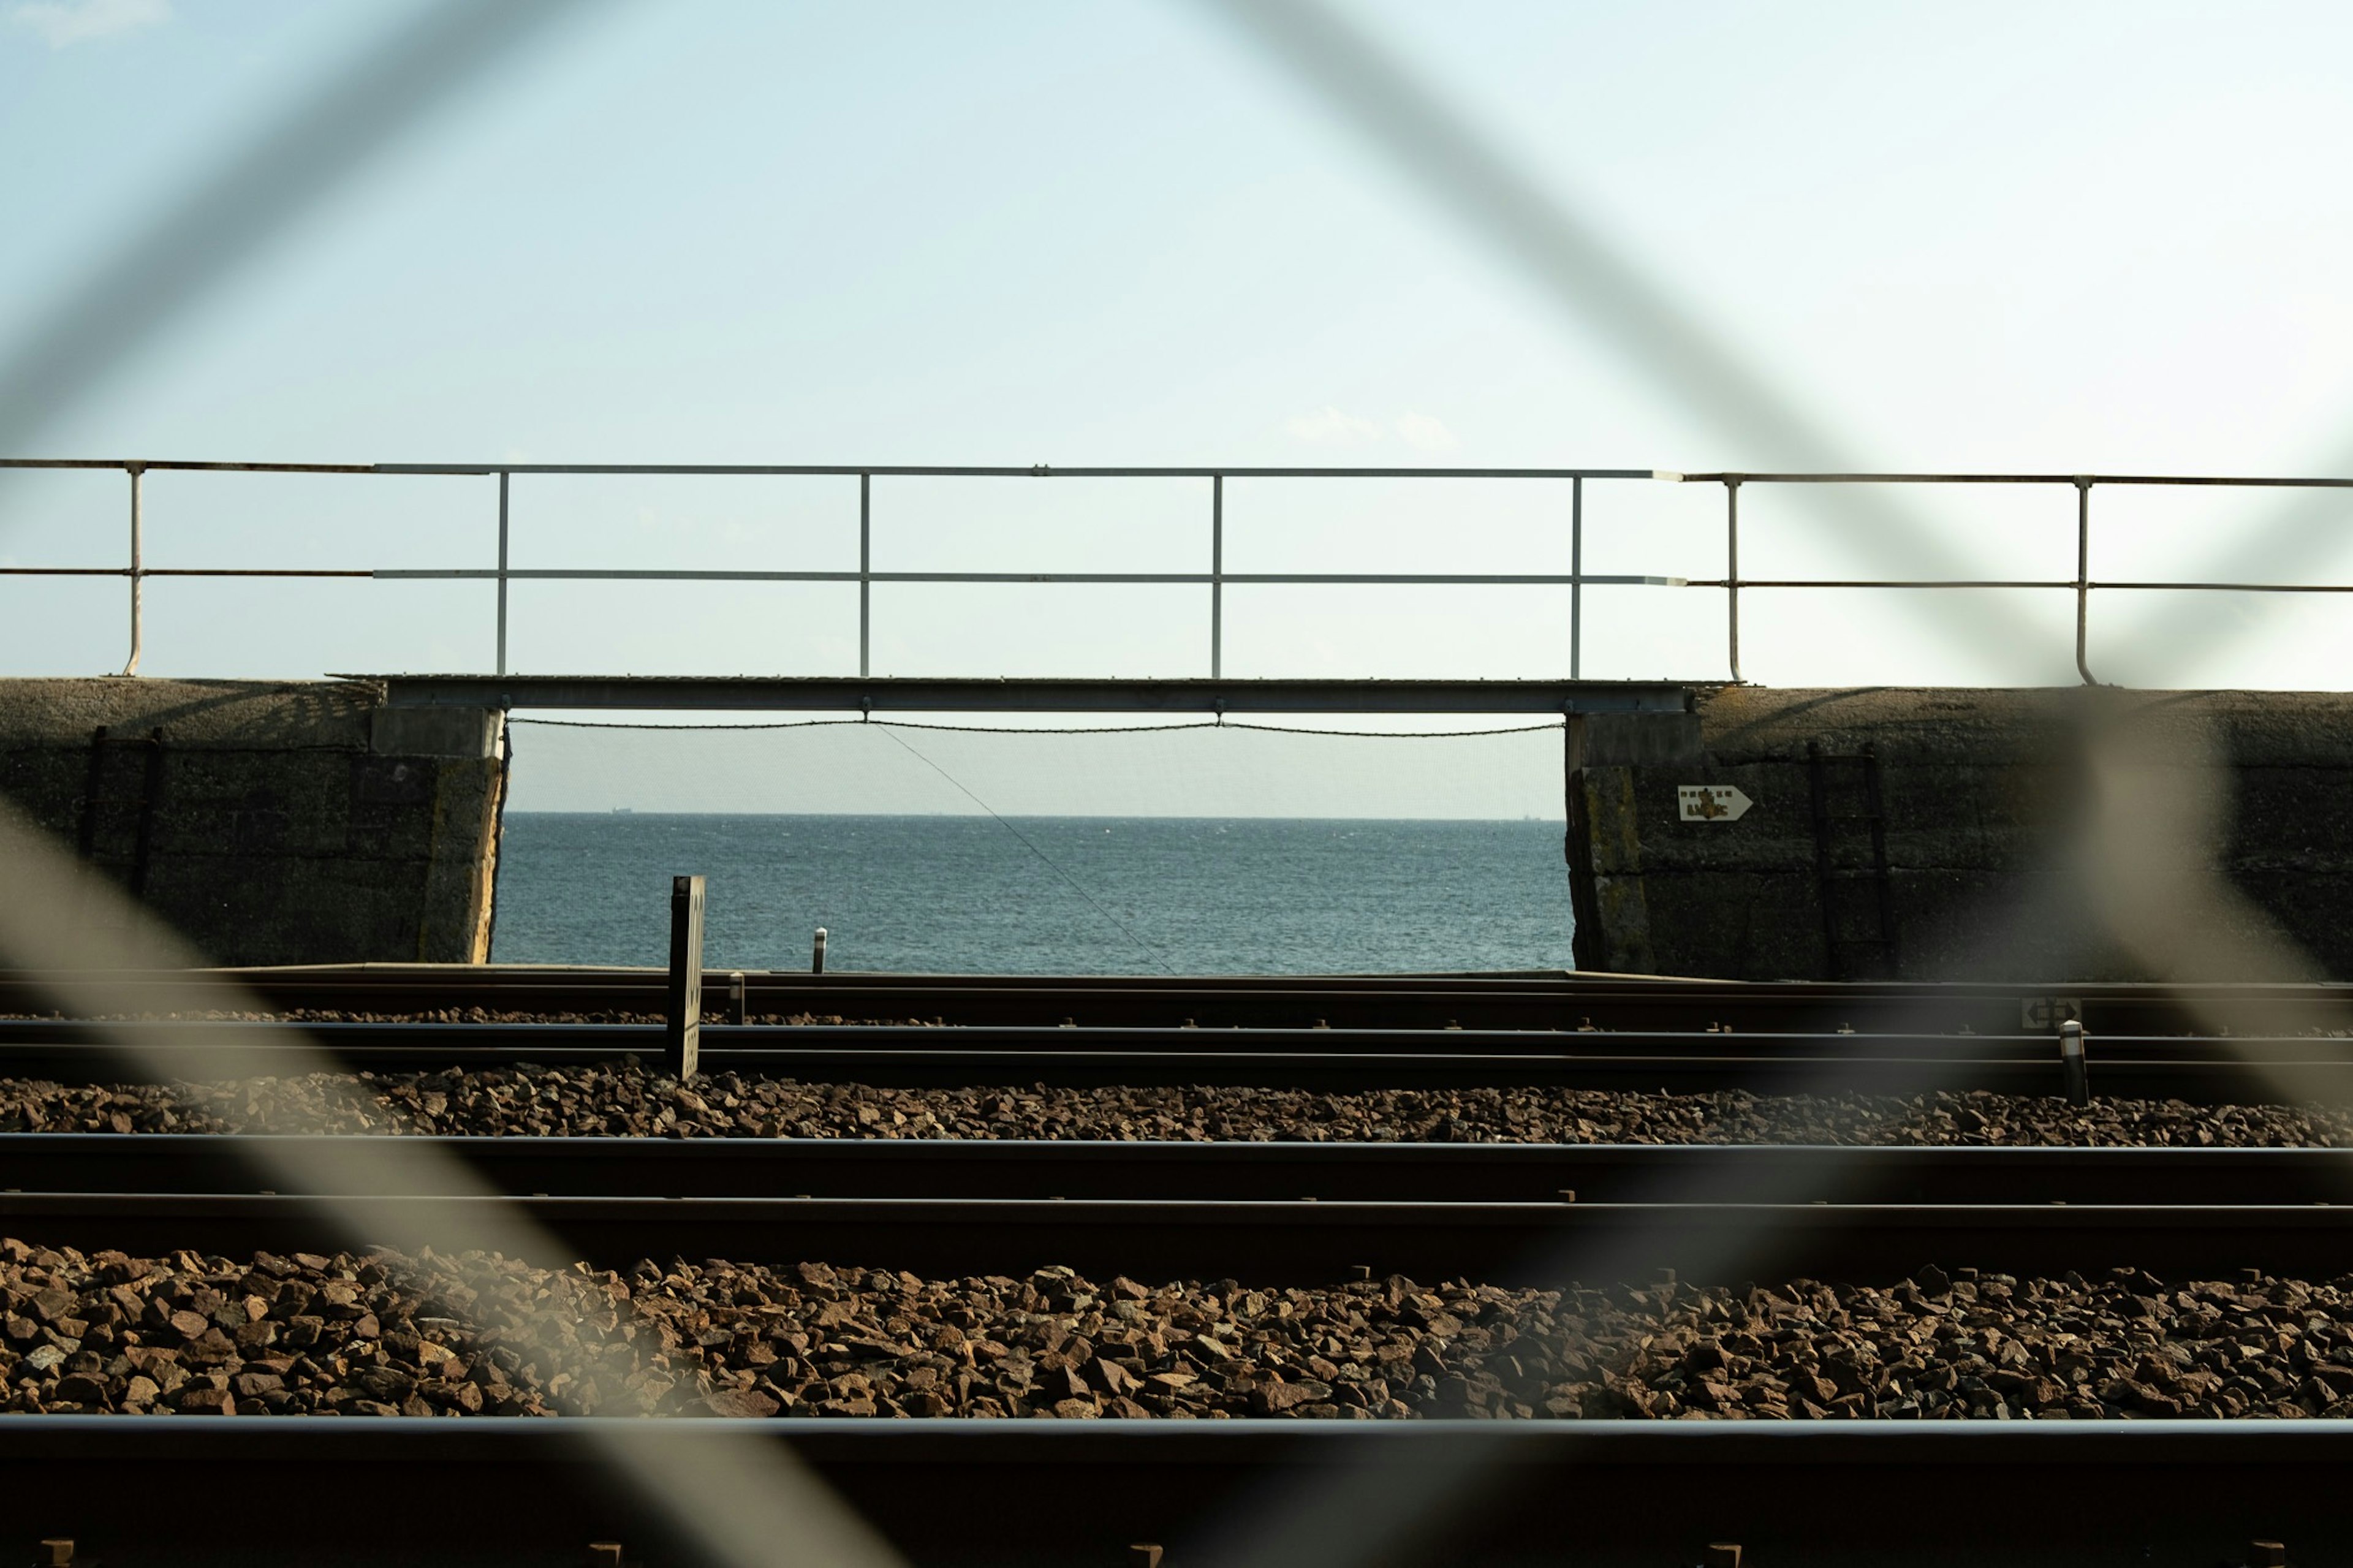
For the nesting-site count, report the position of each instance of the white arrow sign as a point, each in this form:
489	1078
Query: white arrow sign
1711	803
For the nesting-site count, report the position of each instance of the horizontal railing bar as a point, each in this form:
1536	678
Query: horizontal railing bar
2235	587
119	465
2259	481
1560	580
1049	471
1037	471
184	571
2223	479
847	470
1245	579
2067	583
1189	578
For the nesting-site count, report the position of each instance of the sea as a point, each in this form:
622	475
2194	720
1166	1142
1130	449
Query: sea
1060	894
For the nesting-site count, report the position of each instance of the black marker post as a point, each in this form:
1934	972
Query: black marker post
683	1042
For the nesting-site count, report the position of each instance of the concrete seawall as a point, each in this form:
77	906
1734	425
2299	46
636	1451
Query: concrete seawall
2058	834
269	822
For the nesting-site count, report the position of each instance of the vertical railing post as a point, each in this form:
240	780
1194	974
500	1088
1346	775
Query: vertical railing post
137	574
1216	576
1576	578
2082	578
503	477
1732	571
865	572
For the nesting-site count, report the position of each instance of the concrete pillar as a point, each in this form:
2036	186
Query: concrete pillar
270	822
2025	834
1606	895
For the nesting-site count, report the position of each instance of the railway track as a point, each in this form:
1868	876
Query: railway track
1275	1242
1257	1173
1542	1000
1283	1214
2154	1494
967	1491
2204	1069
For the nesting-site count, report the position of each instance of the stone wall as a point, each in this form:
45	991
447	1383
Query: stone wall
269	822
1989	805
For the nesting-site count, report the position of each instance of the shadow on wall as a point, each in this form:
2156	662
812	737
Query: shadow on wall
269	822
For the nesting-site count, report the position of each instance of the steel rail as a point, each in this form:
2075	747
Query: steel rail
187	1163
1549	1001
2206	1083
464	1040
1451	980
2167	1493
1544	1001
2241	1071
1457	982
1298	1241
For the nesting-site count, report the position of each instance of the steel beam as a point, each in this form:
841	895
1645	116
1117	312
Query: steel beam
901	694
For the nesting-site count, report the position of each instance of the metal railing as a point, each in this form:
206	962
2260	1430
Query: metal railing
2082	585
1216	579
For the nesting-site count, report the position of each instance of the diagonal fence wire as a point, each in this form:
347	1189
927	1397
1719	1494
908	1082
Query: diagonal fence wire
2157	797
1496	203
1530	228
2143	849
2172	904
221	223
742	1503
1601	288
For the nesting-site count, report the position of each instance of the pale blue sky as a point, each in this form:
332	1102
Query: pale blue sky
2093	237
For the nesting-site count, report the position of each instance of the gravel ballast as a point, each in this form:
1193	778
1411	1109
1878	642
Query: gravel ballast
382	1334
629	1098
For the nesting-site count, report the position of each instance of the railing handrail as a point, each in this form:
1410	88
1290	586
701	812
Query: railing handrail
1046	471
2273	481
840	470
